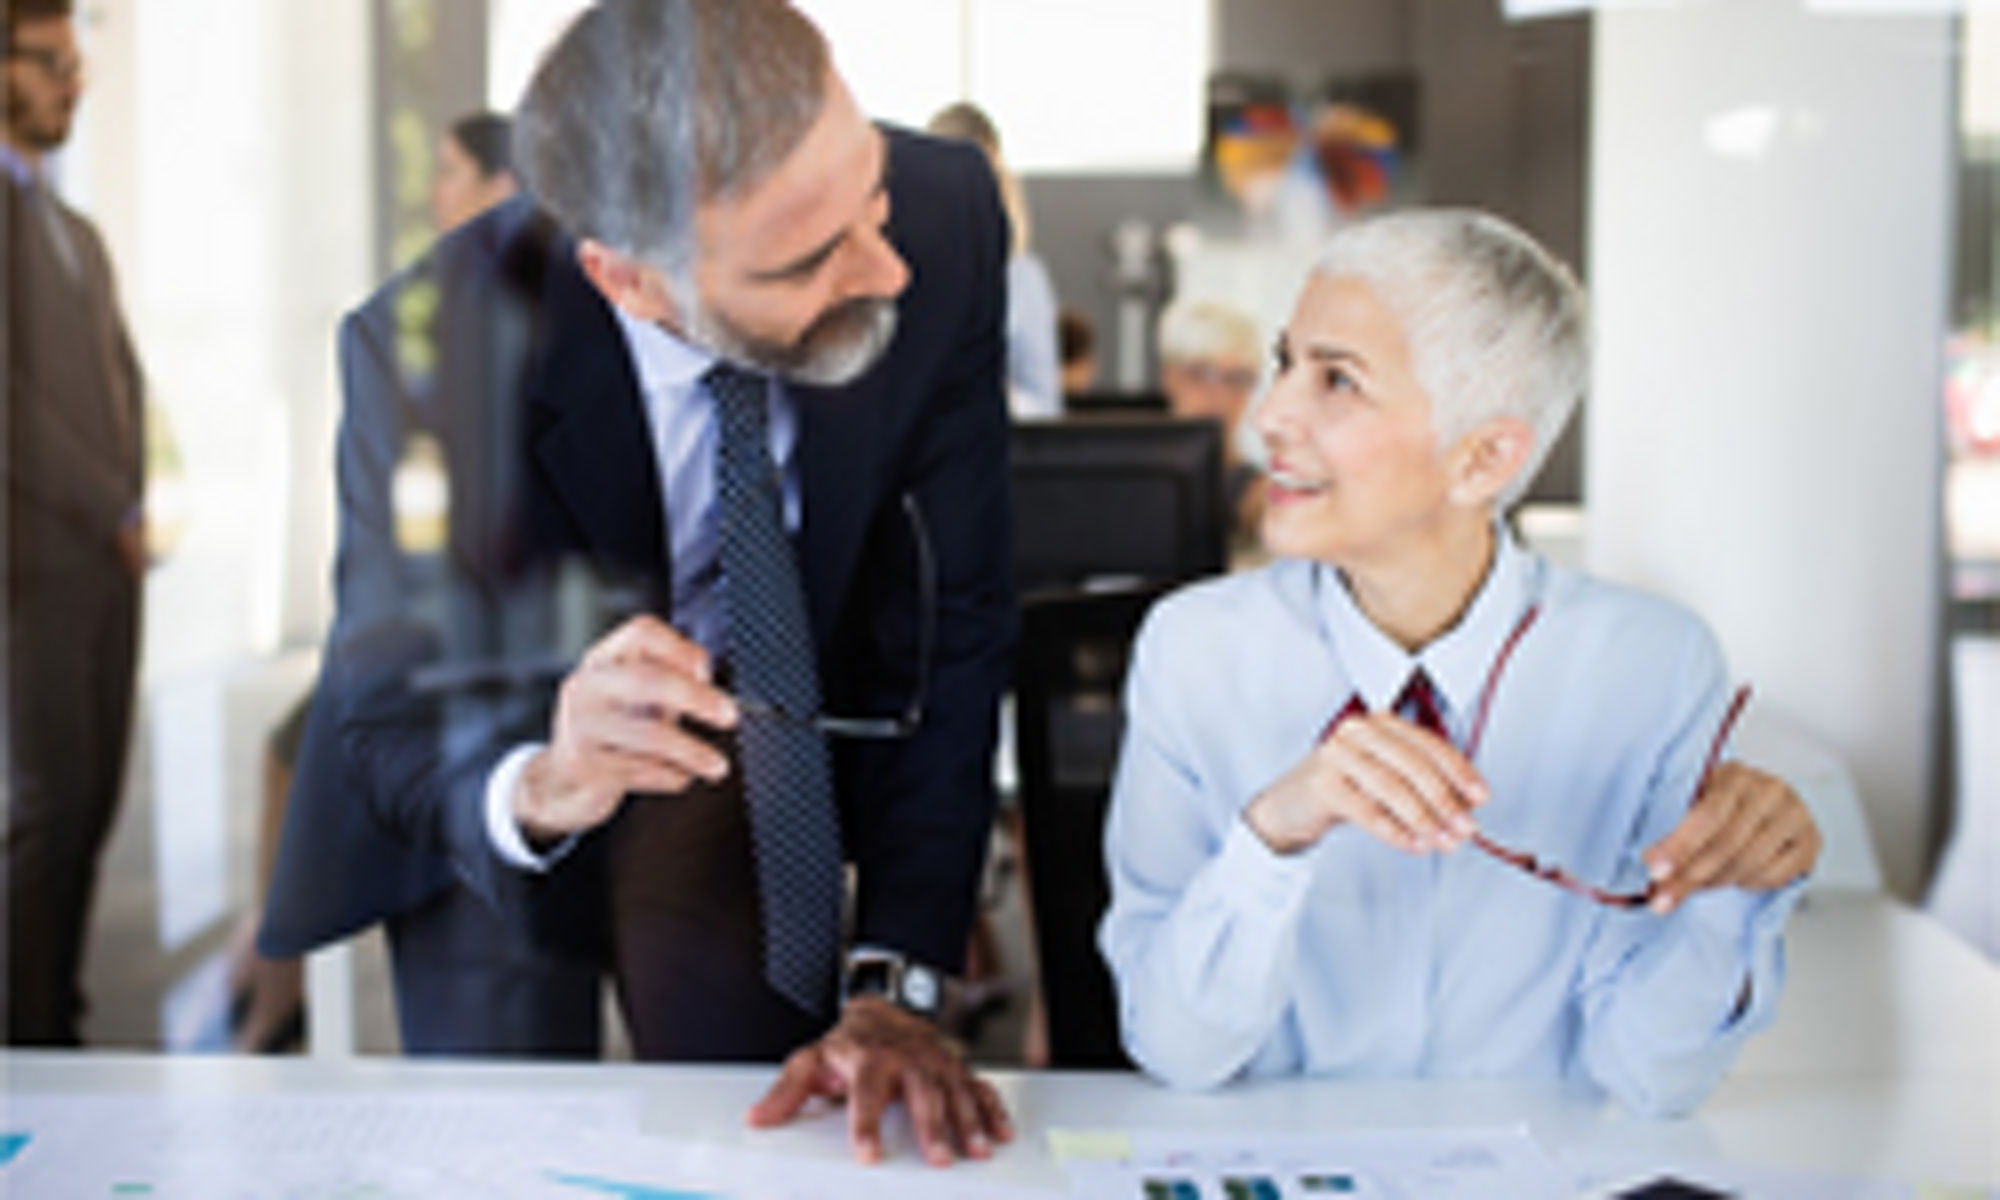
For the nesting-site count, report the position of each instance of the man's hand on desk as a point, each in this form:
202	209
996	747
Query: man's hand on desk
1747	829
876	1055
618	729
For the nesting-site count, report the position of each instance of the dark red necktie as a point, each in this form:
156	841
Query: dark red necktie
1417	702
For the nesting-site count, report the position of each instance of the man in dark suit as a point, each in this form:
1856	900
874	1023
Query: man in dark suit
741	376
75	549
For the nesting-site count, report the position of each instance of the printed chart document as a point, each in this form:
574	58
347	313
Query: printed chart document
1430	1164
393	1146
343	1144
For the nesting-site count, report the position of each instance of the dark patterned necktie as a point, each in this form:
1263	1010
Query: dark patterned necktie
787	780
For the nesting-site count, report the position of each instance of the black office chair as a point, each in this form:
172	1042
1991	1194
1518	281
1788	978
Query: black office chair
1100	403
1068	724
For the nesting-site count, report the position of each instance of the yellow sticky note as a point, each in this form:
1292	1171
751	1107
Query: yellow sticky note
1089	1145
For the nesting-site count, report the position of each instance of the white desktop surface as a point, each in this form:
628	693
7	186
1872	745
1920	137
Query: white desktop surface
1884	1062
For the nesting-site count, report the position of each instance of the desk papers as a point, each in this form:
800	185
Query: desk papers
1440	1164
399	1146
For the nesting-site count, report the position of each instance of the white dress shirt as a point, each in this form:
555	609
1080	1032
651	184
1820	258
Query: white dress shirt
680	416
1357	959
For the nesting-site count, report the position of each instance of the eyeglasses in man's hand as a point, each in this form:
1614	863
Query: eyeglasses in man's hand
880	728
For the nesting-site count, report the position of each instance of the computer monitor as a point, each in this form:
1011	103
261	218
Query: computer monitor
1117	500
1121	403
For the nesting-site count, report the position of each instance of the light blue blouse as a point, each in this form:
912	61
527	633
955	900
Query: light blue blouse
1353	958
1034	376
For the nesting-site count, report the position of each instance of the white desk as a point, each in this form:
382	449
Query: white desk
1885	1062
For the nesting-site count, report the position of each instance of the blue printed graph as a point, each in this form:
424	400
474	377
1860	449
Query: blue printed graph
628	1191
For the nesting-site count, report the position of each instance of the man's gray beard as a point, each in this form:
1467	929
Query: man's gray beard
834	350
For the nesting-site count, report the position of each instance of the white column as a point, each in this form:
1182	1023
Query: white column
1769	201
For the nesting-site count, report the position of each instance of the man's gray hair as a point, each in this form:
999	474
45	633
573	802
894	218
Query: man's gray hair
1496	325
645	109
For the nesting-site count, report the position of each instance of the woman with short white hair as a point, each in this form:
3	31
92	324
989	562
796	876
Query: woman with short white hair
1348	777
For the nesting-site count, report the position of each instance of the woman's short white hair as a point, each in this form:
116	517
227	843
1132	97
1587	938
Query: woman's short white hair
1496	325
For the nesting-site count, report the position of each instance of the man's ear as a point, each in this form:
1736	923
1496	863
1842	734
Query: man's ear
637	289
1486	460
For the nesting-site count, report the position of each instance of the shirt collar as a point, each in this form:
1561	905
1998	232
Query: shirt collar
1457	660
664	360
16	166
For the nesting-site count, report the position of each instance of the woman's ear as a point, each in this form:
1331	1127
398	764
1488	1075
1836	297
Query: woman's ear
1486	460
639	290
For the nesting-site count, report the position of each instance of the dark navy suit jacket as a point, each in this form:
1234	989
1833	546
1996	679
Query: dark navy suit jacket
497	347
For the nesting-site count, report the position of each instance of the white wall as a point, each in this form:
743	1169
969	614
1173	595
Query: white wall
223	148
1769	204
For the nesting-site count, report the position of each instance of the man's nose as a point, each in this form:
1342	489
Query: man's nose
879	270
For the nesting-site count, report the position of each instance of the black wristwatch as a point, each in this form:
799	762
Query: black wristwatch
907	984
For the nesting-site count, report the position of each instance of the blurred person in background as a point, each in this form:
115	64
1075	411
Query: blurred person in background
1034	385
475	169
76	537
1076	348
1209	356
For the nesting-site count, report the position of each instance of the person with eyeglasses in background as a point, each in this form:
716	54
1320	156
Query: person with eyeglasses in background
76	536
1410	800
1209	353
730	376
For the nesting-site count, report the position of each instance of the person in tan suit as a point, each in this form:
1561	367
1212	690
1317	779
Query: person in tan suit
75	552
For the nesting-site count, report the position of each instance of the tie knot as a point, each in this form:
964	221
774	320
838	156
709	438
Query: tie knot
1419	701
735	388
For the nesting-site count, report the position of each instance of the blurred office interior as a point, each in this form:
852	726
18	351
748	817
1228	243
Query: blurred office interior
1787	213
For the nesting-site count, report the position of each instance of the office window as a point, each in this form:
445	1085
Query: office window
517	33
1075	85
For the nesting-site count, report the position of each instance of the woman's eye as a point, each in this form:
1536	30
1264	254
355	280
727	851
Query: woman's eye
1338	380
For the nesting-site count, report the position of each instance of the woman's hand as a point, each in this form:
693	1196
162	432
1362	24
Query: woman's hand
1400	783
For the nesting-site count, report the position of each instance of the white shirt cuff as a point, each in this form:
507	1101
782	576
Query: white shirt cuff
1252	872
501	829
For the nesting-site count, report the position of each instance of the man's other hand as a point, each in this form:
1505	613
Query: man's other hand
132	549
879	1054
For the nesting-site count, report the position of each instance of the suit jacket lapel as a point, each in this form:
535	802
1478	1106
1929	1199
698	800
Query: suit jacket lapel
840	446
587	428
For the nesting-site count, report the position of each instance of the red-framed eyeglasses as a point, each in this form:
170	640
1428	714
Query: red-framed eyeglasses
1548	871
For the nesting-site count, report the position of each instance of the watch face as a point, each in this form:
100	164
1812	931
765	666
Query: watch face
868	977
920	988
